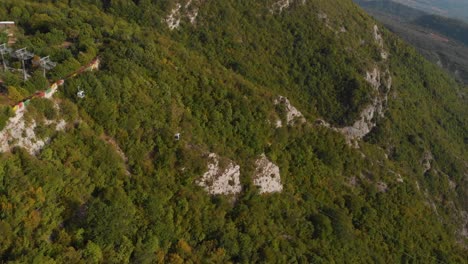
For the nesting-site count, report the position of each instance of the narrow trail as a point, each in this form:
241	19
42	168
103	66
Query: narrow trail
93	65
111	141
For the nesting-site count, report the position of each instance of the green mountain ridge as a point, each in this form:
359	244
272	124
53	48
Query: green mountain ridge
270	82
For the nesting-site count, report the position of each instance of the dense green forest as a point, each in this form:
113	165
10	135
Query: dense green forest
115	186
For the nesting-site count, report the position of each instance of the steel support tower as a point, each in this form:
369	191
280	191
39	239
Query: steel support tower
46	64
23	55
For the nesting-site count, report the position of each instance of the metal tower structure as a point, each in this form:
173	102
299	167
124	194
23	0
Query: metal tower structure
23	55
4	49
46	64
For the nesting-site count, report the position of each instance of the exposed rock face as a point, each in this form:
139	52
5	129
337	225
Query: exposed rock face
379	40
384	54
283	4
188	11
464	226
321	122
191	11
377	36
353	181
382	83
426	161
399	178
452	184
361	127
324	18
267	176
173	19
292	114
60	125
278	123
19	134
226	181
221	181
382	186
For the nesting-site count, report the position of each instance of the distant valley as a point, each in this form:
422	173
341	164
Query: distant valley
442	40
447	8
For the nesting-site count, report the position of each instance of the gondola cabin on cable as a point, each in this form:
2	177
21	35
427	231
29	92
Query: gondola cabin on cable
80	94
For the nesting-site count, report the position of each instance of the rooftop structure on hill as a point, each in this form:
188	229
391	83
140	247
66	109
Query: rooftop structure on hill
7	24
8	27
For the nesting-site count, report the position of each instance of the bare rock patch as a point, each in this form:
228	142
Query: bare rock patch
219	180
267	176
292	114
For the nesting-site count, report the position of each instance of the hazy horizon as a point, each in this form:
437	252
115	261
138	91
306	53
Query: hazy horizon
449	8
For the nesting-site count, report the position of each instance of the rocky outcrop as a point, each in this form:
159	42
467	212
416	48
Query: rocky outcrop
382	186
19	133
293	116
322	16
188	11
464	226
426	161
382	83
380	42
267	176
219	180
280	5
225	180
173	19
377	36
60	125
278	123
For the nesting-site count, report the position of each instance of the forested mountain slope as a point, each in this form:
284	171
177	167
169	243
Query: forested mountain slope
308	133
